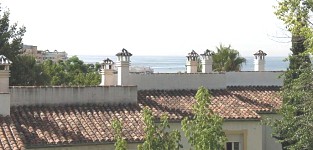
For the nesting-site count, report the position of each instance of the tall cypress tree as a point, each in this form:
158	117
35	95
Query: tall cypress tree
296	93
294	129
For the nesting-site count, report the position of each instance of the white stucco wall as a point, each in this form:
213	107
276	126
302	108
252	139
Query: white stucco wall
252	129
66	95
173	81
207	65
251	78
236	130
191	66
184	140
122	72
4	81
259	64
170	81
5	104
270	142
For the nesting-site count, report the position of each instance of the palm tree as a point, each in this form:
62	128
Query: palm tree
227	59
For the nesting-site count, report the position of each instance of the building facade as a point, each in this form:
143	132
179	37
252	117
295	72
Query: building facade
43	55
81	117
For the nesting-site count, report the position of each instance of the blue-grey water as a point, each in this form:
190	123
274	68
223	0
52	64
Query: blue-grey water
173	64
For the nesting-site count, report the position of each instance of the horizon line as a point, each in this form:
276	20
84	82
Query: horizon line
165	55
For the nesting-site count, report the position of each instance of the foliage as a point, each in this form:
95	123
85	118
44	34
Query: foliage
120	143
204	130
298	53
72	72
10	44
296	16
227	59
156	136
294	130
26	71
10	36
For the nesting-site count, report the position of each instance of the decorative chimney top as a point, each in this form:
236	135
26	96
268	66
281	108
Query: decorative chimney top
124	53
124	56
260	53
5	62
207	52
106	63
192	56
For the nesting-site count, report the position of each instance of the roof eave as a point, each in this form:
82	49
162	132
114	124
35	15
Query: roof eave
77	144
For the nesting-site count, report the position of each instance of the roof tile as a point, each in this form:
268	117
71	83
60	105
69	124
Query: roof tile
46	125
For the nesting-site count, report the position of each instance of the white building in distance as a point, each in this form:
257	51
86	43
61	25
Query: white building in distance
42	55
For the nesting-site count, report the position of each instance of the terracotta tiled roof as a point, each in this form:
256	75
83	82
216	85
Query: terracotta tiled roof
75	124
233	103
49	125
258	98
10	137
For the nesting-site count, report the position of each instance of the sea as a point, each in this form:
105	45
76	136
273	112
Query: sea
174	64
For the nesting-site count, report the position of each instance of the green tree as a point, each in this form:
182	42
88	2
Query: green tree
120	143
296	15
227	59
204	130
56	72
72	72
157	137
92	78
26	72
294	129
10	36
80	73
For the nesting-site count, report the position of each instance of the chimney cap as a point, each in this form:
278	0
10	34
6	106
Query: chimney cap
4	61
192	54
208	52
107	61
260	53
124	52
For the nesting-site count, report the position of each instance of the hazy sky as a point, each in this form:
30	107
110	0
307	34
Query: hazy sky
145	27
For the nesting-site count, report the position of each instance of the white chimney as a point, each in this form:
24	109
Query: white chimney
106	72
192	62
207	61
259	61
4	85
122	64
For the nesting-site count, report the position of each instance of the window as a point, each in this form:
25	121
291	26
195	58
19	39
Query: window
232	145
